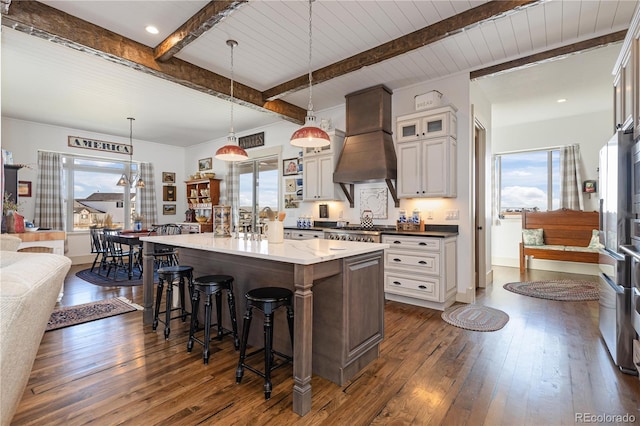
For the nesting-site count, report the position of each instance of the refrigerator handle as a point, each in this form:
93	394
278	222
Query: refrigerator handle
601	222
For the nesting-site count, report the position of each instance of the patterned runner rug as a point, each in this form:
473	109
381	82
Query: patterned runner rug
73	315
475	317
563	290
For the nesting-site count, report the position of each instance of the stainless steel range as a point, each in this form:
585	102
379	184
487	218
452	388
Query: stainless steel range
357	233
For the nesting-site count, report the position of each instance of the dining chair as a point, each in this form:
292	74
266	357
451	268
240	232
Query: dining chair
115	254
164	255
98	248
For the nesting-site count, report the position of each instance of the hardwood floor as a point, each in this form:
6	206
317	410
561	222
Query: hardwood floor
547	365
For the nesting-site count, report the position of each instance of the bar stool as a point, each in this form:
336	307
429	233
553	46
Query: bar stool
170	274
266	299
212	285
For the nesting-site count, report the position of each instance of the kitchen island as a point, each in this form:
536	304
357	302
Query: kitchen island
338	297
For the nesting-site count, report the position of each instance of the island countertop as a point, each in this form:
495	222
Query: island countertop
301	252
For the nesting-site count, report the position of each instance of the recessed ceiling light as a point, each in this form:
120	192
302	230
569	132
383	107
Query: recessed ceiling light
561	100
151	29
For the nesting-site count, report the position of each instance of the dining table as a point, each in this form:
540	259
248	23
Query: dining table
131	239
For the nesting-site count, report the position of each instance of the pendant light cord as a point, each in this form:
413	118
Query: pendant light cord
310	108
232	44
131	145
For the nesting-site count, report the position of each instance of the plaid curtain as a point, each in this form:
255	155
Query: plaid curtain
49	195
570	180
146	204
229	194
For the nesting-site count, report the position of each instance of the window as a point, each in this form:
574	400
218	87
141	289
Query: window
92	193
259	188
528	180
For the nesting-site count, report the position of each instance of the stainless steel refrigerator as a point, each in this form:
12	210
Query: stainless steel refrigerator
615	215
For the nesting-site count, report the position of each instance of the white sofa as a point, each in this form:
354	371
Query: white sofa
29	286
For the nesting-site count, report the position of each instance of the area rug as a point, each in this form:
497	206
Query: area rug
475	317
122	279
563	290
73	315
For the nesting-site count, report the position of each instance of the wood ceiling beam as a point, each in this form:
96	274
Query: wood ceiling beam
401	45
206	18
549	54
40	20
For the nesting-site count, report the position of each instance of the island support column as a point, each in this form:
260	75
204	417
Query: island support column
302	348
147	280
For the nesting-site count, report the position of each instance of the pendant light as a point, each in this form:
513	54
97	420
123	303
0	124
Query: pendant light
310	136
231	151
131	179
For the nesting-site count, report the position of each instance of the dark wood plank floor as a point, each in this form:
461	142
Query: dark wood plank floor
544	367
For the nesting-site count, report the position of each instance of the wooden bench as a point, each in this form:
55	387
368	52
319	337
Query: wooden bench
567	234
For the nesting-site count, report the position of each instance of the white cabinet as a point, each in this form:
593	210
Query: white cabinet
420	270
306	234
427	124
317	170
427	168
427	160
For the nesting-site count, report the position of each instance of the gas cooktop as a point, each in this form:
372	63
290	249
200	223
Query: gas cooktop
379	228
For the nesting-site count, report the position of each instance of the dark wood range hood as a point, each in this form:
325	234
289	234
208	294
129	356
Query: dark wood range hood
368	153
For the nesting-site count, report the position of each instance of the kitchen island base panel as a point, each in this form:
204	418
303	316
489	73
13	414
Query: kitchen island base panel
420	302
341	301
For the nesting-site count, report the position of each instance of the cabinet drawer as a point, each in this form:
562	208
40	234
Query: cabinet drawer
427	288
407	243
423	262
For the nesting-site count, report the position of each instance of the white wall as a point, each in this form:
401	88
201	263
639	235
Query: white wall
24	139
590	131
482	113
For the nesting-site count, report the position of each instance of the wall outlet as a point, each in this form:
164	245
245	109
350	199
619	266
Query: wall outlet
430	214
452	214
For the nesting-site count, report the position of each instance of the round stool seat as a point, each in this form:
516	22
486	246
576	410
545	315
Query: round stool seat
175	270
269	294
211	284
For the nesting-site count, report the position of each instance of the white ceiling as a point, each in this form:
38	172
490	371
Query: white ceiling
51	83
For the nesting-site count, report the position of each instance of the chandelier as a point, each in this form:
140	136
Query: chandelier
131	180
231	151
310	136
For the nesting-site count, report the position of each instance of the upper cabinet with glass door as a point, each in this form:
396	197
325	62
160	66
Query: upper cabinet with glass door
430	123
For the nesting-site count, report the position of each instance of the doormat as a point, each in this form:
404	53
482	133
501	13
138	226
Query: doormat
475	317
562	290
122	279
79	314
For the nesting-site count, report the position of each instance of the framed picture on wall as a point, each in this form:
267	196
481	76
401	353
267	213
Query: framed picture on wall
290	166
205	164
168	177
24	188
168	193
168	209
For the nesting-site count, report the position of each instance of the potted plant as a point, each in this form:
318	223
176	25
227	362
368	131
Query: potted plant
137	221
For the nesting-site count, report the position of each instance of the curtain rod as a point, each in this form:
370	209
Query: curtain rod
551	148
86	156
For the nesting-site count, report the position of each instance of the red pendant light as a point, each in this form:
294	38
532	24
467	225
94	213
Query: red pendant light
231	151
310	136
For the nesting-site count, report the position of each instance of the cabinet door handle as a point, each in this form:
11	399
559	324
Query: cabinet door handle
397	242
422	262
422	243
397	260
424	287
397	283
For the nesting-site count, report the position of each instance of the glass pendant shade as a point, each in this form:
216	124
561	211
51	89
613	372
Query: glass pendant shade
123	181
310	136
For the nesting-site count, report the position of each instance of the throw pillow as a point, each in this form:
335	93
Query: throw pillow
532	237
595	241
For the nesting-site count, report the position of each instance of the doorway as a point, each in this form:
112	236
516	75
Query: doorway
479	179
